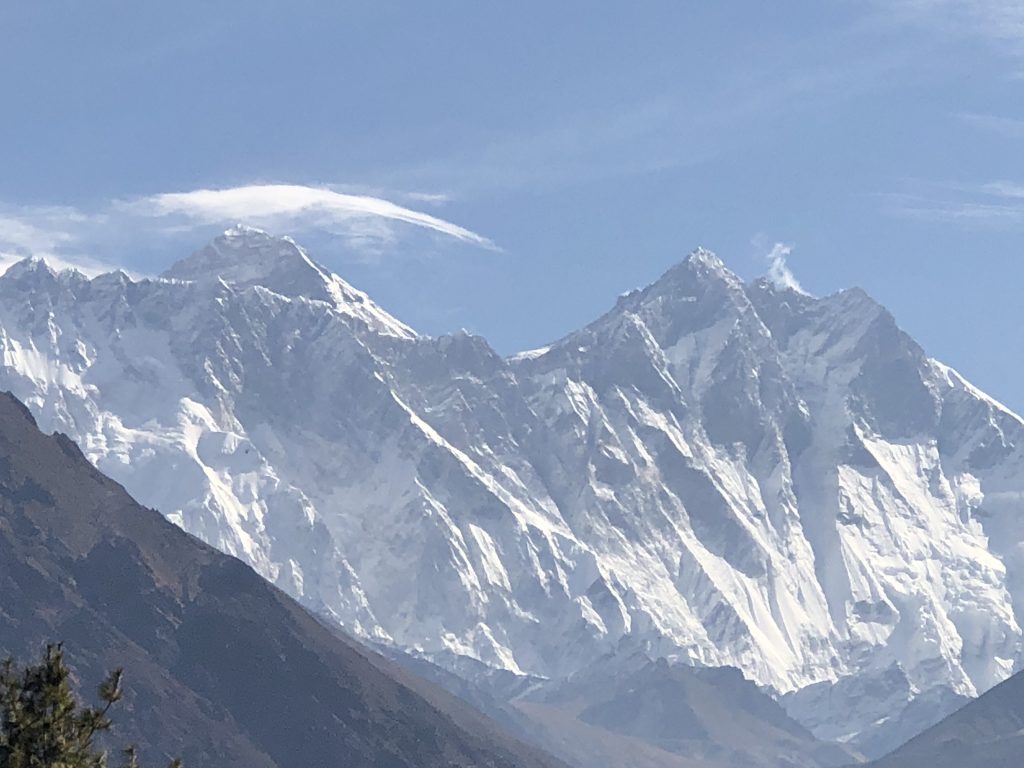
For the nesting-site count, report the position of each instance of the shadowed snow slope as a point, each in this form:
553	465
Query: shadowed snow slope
713	472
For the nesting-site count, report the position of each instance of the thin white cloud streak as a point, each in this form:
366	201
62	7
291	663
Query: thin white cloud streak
1004	189
953	212
285	205
431	198
995	203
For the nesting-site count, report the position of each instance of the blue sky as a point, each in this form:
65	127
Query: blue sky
511	168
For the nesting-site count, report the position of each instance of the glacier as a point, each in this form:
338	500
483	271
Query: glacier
714	472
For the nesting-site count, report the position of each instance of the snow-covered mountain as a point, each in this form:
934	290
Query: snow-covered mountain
713	472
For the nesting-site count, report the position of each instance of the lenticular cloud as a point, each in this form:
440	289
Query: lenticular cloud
277	204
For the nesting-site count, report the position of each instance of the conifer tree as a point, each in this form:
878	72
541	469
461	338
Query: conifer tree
42	724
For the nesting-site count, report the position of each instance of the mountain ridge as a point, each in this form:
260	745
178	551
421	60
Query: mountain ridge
988	731
712	472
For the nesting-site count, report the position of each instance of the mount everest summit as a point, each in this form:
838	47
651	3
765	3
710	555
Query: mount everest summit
714	472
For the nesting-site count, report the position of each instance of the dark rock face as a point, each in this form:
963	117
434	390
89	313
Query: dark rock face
222	668
987	733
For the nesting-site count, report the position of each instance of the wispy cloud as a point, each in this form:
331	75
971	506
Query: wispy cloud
37	229
992	204
369	226
430	198
654	131
999	22
48	232
1004	189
